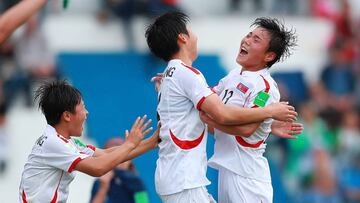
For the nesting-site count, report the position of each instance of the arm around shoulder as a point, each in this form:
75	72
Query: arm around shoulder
231	115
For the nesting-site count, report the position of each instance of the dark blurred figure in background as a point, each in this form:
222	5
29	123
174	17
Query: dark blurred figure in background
357	62
323	186
158	7
14	80
6	4
348	160
234	5
343	30
121	185
338	80
6	56
33	62
127	10
285	7
33	54
3	137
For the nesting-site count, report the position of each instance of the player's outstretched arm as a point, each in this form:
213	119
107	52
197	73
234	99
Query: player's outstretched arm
17	15
144	146
231	115
99	165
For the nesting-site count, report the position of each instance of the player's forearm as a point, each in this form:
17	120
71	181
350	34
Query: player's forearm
231	115
98	166
17	15
238	116
111	149
143	147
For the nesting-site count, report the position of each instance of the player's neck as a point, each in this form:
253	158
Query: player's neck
185	58
62	130
253	68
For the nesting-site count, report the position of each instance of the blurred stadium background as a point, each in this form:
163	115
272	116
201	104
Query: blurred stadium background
99	46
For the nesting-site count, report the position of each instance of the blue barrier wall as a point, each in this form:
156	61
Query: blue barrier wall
116	89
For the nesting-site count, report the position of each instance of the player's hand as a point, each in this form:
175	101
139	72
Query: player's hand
138	131
204	117
282	111
157	80
286	129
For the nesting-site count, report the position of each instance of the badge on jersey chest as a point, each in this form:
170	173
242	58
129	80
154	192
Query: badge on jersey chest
243	88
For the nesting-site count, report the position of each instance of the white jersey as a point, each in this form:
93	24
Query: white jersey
49	168
244	155
182	158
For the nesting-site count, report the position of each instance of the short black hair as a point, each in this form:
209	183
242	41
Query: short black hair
282	40
161	36
55	98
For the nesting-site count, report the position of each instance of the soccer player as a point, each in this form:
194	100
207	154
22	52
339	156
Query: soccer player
244	174
58	153
17	15
181	166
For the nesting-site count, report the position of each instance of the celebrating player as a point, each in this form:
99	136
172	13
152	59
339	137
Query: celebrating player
57	153
244	174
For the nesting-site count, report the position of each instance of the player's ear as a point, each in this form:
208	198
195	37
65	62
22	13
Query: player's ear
66	116
182	38
270	56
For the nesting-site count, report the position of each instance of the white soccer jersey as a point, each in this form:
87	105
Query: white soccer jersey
241	155
49	168
182	158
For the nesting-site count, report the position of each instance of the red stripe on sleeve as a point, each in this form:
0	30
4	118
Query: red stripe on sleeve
212	89
91	147
198	106
72	166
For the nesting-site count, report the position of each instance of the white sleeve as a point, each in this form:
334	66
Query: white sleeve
62	154
195	87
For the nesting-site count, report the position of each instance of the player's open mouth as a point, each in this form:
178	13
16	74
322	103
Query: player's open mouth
243	51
